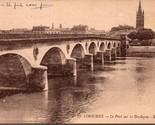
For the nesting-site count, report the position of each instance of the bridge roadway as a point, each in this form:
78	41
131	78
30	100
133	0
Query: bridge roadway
26	63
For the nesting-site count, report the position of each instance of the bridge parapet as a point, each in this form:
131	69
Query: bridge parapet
54	36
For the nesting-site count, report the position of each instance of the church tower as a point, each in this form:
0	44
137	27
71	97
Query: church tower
140	17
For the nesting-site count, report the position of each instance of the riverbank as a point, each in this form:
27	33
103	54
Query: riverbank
141	51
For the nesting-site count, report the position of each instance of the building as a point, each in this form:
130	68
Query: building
140	17
54	31
66	31
96	32
16	31
47	30
40	29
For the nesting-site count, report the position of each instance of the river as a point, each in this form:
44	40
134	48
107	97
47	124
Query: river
123	91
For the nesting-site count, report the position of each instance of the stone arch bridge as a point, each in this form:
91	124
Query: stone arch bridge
30	65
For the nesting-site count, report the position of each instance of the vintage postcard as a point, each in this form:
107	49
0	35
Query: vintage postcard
77	61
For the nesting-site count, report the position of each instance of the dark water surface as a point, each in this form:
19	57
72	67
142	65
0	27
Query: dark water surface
123	88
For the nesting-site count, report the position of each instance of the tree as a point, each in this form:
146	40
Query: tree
92	28
52	25
60	26
132	35
80	28
122	27
145	34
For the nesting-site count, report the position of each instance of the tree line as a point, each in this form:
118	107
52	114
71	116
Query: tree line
142	37
142	34
80	28
122	27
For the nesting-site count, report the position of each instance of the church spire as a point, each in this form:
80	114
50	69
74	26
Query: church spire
140	8
140	17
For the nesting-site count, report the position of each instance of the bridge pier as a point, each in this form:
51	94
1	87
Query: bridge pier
118	51
113	53
70	67
107	55
99	57
88	61
38	79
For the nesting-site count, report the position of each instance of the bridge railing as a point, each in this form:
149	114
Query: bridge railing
50	36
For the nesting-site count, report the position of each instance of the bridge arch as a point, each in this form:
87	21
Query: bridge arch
92	48
114	44
78	52
118	44
55	60
15	71
102	46
109	45
53	56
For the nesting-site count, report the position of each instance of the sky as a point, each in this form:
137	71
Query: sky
98	14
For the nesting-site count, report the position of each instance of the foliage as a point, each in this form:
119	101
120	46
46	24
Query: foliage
92	29
145	34
60	26
142	34
132	35
80	28
122	27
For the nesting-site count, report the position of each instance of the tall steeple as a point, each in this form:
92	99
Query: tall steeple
140	17
140	8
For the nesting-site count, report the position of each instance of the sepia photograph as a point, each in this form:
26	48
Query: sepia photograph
77	61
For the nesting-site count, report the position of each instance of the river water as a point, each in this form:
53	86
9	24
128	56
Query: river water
123	91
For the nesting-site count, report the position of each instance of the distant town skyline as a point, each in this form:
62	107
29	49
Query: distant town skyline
98	14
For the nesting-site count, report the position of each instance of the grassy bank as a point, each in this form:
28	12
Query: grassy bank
141	51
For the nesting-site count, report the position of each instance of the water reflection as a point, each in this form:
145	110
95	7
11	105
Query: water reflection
124	86
69	100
